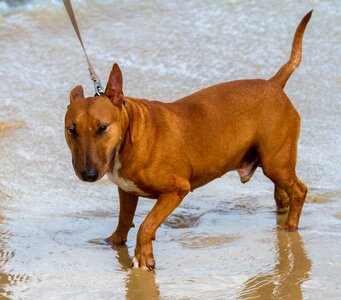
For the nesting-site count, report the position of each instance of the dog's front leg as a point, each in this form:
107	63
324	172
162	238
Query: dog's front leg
164	205
128	205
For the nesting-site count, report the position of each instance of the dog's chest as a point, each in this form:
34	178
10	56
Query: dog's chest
125	184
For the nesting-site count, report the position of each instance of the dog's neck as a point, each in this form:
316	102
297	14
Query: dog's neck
125	130
133	121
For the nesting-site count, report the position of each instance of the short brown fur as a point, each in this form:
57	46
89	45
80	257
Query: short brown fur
166	150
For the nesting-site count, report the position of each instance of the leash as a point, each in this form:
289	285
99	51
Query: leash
97	83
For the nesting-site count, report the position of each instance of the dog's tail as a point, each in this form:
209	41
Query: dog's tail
283	74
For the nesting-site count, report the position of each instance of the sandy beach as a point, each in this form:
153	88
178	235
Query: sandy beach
222	241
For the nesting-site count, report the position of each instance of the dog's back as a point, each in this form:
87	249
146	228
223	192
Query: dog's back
230	121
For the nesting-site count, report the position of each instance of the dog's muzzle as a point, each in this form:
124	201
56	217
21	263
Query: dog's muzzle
89	175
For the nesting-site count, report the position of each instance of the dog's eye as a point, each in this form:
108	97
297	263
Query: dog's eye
72	131
102	128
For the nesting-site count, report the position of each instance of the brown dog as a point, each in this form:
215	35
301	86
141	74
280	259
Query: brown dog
164	150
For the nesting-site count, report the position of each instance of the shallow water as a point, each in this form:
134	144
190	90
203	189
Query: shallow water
221	243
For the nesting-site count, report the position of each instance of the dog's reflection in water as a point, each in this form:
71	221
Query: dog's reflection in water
291	269
140	284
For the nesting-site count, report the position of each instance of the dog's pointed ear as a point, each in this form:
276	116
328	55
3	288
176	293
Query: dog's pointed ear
114	89
76	93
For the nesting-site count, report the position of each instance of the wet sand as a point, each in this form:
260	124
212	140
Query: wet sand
222	242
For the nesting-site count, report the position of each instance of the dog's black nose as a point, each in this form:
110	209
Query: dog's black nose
89	175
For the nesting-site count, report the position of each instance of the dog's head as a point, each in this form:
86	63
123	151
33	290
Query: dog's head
93	128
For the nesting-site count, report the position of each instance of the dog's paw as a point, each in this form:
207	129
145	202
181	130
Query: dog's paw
287	227
137	263
116	239
144	258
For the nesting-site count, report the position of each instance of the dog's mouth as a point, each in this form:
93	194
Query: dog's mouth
89	174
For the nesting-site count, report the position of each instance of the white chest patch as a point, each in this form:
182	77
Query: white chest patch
125	184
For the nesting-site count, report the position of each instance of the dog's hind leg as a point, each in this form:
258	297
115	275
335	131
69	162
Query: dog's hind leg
282	200
278	159
128	205
281	170
287	181
297	192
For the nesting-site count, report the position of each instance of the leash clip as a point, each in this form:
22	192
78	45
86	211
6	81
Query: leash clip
99	91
